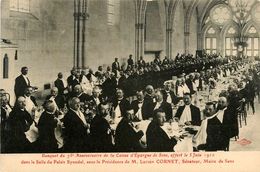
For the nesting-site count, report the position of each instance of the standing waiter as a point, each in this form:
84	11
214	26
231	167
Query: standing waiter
21	83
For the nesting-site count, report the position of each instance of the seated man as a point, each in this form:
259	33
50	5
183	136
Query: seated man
47	123
120	104
30	101
127	139
157	138
76	129
188	114
168	95
148	102
219	127
77	80
78	92
138	106
190	83
58	99
160	104
100	131
96	96
19	122
5	111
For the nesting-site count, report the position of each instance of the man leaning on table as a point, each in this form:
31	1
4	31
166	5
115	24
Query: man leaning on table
127	138
188	114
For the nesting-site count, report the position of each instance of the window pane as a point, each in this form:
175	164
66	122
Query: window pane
228	52
207	43
255	53
208	51
227	43
249	42
232	44
249	53
214	51
234	52
214	43
256	43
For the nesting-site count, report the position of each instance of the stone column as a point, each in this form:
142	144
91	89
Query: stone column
140	9
80	17
187	42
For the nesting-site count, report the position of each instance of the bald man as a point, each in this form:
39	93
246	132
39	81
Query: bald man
76	138
46	125
78	92
148	102
56	98
19	122
219	128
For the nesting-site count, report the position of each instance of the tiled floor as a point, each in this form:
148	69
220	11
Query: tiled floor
249	135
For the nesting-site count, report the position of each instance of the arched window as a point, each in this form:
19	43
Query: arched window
252	49
113	12
5	66
20	5
211	41
230	48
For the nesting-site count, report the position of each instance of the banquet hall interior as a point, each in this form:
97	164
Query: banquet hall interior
129	75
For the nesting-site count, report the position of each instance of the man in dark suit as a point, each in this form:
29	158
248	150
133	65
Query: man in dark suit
157	60
47	123
71	78
59	83
19	122
160	104
96	96
100	131
77	92
115	66
188	114
157	138
58	99
141	62
219	127
109	85
127	139
120	104
76	129
251	92
21	83
148	102
130	61
77	80
99	73
5	111
168	95
138	106
189	83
